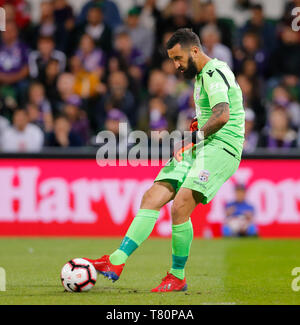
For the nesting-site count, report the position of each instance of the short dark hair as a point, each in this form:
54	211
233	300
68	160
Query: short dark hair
240	187
185	37
257	6
61	116
46	38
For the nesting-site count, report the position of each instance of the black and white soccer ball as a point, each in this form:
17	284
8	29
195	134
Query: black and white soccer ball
78	275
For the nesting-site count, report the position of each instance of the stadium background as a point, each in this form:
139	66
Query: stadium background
108	67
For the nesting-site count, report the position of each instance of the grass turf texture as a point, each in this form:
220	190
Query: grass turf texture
233	271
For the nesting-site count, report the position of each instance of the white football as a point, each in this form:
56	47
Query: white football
78	275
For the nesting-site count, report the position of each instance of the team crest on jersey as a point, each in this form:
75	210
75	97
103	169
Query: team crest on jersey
204	175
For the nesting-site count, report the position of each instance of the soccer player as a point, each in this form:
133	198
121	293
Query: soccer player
220	119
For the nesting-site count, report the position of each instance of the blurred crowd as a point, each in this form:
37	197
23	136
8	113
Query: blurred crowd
71	74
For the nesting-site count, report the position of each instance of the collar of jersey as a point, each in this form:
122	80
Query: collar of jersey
207	65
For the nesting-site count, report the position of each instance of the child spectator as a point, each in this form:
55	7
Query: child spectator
77	117
62	136
239	220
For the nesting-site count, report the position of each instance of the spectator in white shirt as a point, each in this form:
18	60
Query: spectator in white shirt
22	136
210	37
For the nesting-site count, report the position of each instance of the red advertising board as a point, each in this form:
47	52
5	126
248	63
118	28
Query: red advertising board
64	197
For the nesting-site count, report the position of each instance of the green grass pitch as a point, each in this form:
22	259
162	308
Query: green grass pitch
233	271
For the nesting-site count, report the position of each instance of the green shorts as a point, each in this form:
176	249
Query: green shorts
203	170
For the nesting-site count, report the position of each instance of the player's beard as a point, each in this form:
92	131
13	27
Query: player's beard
191	70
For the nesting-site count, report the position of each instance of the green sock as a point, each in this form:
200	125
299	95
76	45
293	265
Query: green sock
182	236
139	230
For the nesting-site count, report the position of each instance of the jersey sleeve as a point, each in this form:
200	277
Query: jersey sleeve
216	87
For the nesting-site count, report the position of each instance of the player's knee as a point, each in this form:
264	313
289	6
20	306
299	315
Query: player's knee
177	211
150	200
147	197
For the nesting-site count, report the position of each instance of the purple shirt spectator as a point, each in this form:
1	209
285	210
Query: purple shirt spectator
93	60
161	124
289	142
79	122
136	58
13	58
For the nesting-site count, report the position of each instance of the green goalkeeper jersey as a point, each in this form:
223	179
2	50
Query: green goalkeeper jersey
216	84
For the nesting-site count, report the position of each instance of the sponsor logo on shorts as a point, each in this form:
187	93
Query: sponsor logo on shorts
200	184
204	175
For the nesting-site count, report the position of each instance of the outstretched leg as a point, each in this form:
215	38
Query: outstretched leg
141	227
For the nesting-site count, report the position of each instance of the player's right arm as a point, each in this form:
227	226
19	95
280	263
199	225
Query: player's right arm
218	119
